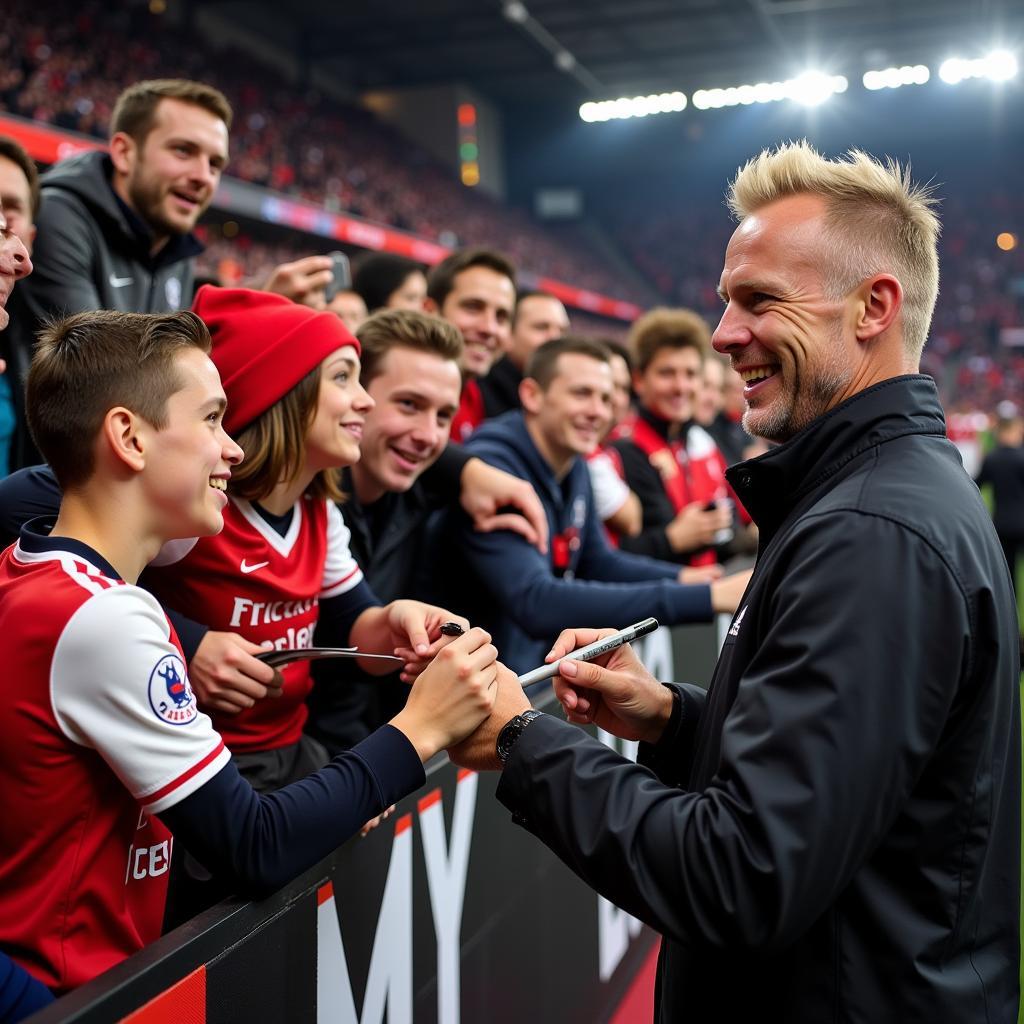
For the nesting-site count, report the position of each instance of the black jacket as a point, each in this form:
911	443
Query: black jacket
90	252
833	833
500	388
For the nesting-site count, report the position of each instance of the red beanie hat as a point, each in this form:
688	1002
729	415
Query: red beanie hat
263	345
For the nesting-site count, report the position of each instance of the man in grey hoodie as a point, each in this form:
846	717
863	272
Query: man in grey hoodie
115	229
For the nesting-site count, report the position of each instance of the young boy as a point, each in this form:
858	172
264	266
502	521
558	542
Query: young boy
105	753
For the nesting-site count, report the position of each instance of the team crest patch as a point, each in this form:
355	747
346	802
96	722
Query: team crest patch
170	695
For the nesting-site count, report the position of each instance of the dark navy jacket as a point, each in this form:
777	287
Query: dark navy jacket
526	599
834	830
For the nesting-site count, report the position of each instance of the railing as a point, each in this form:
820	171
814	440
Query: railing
445	913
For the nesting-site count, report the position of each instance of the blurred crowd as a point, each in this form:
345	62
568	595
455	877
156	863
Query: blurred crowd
65	65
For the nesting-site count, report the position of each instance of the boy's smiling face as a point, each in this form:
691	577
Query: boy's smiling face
189	459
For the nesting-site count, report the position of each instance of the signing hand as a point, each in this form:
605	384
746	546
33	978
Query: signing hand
614	692
227	677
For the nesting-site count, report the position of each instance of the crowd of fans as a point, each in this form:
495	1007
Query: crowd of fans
67	64
591	487
345	443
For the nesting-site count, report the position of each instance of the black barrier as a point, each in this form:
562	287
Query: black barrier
446	913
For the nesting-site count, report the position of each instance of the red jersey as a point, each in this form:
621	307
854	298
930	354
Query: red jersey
470	413
100	732
251	580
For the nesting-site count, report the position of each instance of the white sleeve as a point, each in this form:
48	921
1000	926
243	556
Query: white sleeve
118	686
610	490
341	570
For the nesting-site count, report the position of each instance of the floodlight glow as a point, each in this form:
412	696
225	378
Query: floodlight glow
998	66
813	88
1002	65
810	89
893	78
632	106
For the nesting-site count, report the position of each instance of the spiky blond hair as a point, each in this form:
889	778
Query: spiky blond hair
878	221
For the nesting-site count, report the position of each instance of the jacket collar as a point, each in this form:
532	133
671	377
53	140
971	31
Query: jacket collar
666	429
771	485
89	176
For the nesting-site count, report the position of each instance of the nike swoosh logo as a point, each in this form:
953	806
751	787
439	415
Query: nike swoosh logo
119	282
246	569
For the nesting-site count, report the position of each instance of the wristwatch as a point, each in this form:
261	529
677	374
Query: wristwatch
511	732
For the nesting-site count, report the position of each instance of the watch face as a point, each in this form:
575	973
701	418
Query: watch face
511	732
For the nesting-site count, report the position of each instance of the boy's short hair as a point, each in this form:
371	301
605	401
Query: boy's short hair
667	328
89	363
11	149
441	280
135	109
542	366
404	328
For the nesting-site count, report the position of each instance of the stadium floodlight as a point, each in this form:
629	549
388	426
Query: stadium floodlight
997	66
893	78
811	88
632	106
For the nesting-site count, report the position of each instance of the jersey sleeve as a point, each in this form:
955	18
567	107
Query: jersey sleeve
610	490
341	570
118	686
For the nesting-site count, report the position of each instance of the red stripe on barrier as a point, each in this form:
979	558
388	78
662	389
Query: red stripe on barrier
325	893
464	773
403	823
429	800
638	1004
183	1003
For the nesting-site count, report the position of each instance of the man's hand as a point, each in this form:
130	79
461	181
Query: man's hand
727	593
479	750
227	677
615	691
486	489
303	281
695	527
691	574
453	696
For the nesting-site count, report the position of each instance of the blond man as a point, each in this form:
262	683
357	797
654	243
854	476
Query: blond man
834	829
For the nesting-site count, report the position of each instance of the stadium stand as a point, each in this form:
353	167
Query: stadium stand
66	67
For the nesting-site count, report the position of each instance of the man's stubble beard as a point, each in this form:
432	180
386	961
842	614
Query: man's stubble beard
804	402
147	200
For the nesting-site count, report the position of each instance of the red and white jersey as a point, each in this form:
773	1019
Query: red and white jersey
251	580
100	732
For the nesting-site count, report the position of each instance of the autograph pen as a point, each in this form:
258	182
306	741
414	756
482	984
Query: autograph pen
591	651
